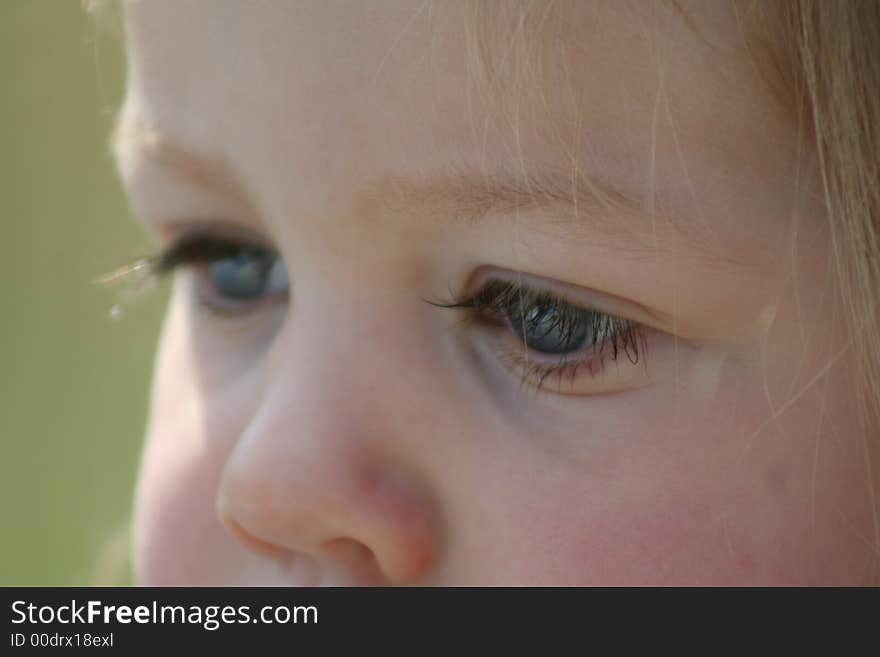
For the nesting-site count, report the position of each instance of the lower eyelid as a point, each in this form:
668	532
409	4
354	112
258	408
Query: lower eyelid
588	372
558	361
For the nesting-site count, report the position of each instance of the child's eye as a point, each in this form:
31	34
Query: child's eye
553	343
233	276
247	274
548	327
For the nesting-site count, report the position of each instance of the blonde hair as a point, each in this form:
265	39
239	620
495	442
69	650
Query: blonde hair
827	56
837	49
837	46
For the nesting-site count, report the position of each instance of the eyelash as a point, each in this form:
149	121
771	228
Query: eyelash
490	306
188	251
611	336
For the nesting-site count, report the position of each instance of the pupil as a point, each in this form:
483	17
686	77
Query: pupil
241	276
549	329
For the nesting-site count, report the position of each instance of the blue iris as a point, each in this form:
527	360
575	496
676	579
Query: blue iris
248	274
551	329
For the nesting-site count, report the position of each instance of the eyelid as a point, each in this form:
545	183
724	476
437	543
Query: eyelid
173	232
172	235
582	375
575	295
177	236
201	248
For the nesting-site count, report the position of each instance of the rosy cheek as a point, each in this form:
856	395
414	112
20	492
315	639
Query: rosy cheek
177	538
596	535
674	542
755	527
695	507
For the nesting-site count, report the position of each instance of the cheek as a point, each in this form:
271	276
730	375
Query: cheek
685	531
178	538
723	498
719	536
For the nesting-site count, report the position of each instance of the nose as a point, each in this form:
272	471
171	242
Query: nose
321	477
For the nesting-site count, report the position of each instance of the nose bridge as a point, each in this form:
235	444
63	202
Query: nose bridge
344	373
323	462
358	349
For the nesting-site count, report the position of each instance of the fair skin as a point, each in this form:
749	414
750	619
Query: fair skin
350	433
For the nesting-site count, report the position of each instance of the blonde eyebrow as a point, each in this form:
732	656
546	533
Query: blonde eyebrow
566	202
136	138
572	200
471	196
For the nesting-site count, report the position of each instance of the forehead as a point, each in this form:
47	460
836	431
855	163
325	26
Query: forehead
306	99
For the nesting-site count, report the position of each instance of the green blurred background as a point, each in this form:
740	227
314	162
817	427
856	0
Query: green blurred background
74	382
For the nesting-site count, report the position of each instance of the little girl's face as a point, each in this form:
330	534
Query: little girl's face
646	380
